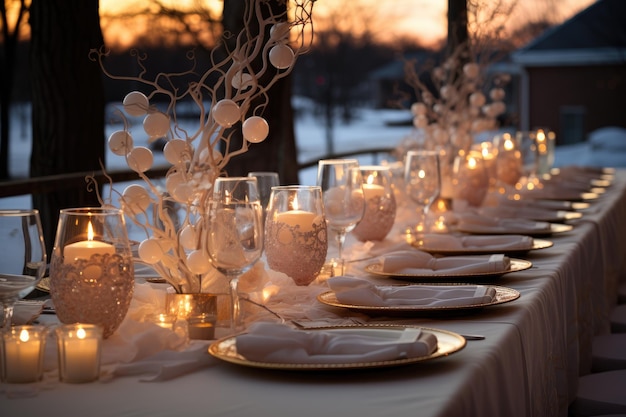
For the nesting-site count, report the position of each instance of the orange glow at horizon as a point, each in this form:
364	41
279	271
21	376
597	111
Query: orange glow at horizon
422	20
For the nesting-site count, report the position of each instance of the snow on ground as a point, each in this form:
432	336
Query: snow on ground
369	129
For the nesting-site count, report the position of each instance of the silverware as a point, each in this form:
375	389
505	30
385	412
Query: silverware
473	336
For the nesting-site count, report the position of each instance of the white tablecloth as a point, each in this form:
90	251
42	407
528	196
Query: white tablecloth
528	365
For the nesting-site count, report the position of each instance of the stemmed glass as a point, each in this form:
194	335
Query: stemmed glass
22	257
423	182
344	203
235	239
265	181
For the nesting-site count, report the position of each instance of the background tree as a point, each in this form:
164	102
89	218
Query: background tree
67	99
8	59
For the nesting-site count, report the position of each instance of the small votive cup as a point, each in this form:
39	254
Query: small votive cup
201	327
167	321
21	353
80	346
198	309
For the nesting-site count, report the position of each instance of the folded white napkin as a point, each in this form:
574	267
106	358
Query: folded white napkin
484	224
25	311
508	212
422	263
486	242
356	291
278	343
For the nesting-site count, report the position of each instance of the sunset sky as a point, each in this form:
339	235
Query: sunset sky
424	20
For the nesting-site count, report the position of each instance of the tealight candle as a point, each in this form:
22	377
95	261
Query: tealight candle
373	191
201	327
163	320
22	354
86	248
79	352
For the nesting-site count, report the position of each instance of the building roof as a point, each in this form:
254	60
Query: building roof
596	35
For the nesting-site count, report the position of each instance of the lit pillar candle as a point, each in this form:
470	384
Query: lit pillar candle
86	248
373	191
22	353
304	219
79	352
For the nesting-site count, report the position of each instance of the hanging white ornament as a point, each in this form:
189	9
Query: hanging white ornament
140	159
255	129
150	251
156	124
418	108
281	56
198	262
183	192
189	238
136	103
177	151
226	113
420	121
242	81
120	142
136	198
477	99
280	31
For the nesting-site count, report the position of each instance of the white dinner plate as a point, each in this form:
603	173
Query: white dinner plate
447	344
516	265
503	295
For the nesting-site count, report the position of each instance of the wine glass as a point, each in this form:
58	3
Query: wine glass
423	182
22	257
344	204
265	181
235	238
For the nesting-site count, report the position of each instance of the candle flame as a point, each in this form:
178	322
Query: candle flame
294	203
541	136
471	163
24	336
81	333
508	144
90	231
370	179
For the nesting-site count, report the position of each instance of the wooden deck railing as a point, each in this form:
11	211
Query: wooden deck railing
76	180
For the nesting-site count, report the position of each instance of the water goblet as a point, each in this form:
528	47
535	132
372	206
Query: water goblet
265	181
235	238
423	182
344	204
22	257
296	239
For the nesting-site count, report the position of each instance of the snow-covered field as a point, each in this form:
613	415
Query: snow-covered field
369	129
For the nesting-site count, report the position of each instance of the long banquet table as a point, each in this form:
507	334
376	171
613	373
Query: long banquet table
535	349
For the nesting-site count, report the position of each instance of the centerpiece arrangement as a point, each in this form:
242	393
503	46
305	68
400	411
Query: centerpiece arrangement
232	94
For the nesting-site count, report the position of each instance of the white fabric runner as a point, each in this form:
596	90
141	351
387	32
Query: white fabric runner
279	343
356	291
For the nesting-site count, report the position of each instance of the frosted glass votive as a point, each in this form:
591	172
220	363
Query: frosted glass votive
21	354
80	346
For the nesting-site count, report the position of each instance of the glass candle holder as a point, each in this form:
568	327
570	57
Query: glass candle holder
296	240
166	321
545	140
470	180
91	269
199	310
21	353
380	204
79	347
509	159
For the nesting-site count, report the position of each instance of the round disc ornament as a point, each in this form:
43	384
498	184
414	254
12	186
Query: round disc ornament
226	113
156	124
281	56
140	159
120	142
136	198
177	151
255	129
136	104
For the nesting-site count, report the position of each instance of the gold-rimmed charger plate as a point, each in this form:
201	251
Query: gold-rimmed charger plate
554	228
447	344
44	284
536	245
516	265
503	295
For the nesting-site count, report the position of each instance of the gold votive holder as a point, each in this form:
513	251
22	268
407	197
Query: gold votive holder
21	354
198	309
79	347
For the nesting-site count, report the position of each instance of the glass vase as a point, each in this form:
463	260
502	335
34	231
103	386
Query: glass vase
91	269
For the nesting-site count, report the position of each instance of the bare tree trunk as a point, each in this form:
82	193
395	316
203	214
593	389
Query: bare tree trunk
457	24
68	101
8	53
278	152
